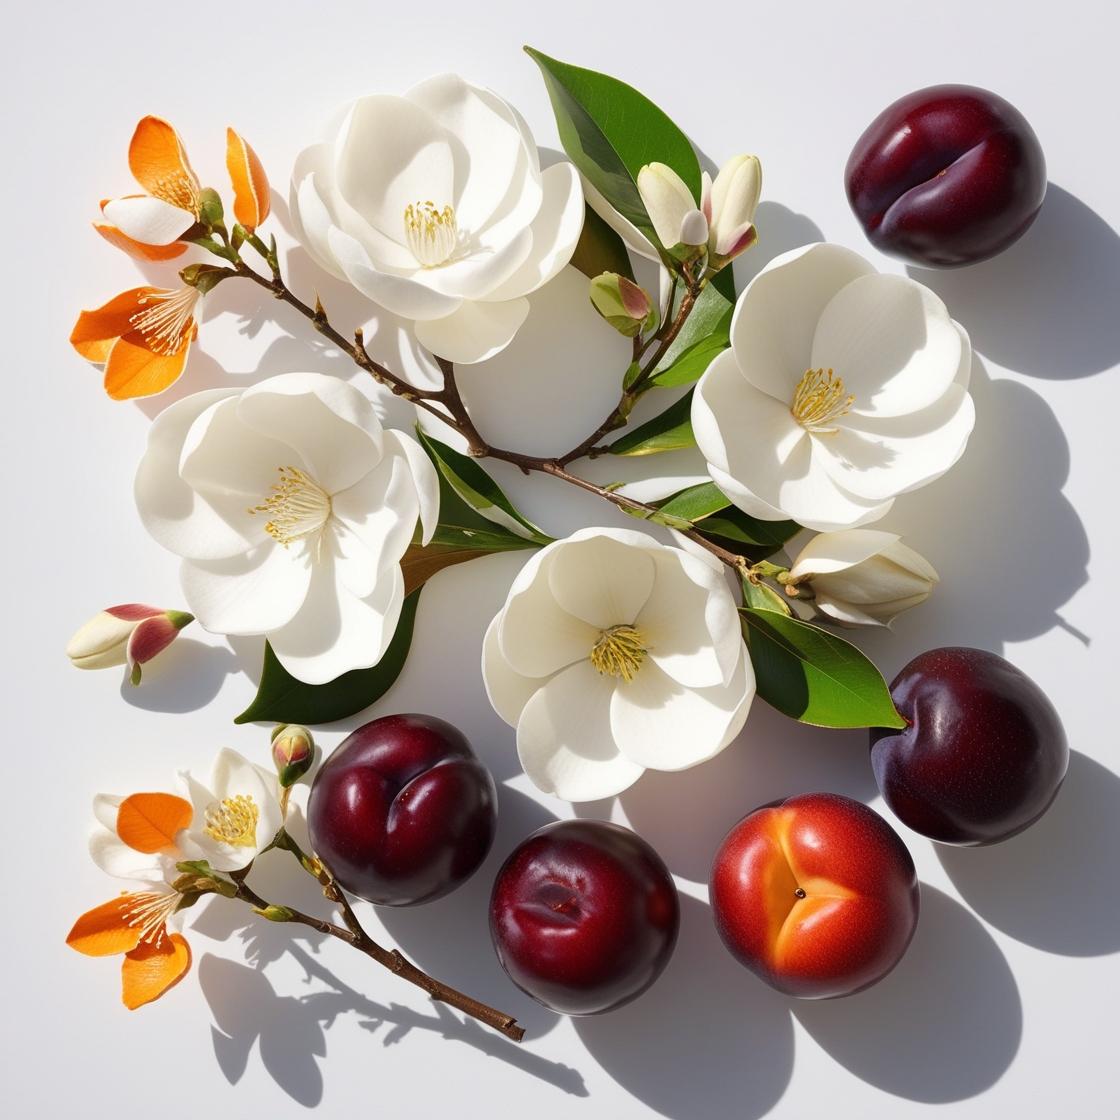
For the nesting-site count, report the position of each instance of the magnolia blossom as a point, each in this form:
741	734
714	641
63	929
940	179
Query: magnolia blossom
130	634
291	508
676	218
842	388
729	204
434	205
613	654
863	577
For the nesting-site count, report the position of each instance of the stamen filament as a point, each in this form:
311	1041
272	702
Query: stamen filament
167	323
819	400
619	652
149	910
298	507
432	234
233	821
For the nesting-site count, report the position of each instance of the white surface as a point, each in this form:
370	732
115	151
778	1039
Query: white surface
1003	1006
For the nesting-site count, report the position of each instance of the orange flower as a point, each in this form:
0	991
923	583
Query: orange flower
142	336
251	195
149	225
135	923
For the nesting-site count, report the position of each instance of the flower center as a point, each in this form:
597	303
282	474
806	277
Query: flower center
166	319
179	191
819	400
298	507
233	821
149	910
619	652
432	234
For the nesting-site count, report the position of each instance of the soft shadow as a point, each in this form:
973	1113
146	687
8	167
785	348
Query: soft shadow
1053	885
779	230
1046	306
996	524
944	1026
775	757
708	1041
467	960
183	678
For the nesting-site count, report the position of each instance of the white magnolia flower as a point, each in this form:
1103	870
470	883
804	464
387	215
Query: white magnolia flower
613	654
676	218
291	508
434	205
842	388
863	577
227	822
729	204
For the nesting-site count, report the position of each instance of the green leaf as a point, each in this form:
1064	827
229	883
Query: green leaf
471	483
610	131
669	431
283	699
704	334
814	676
734	525
763	597
600	249
697	502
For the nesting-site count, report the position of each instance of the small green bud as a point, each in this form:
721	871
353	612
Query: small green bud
204	277
624	304
274	913
293	752
210	211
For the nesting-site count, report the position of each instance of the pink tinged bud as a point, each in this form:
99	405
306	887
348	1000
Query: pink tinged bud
129	634
293	752
671	208
733	199
634	298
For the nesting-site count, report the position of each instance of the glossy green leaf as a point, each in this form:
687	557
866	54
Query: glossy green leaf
814	676
283	699
763	597
669	431
697	502
600	249
610	131
478	490
733	525
704	334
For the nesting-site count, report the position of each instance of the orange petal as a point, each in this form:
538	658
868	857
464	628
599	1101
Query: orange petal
158	160
132	370
148	971
148	822
137	248
251	195
104	930
95	331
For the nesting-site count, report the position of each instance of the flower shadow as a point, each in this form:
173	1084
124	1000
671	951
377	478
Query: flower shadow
943	1026
1046	306
183	678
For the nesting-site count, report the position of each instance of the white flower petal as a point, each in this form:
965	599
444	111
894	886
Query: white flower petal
105	808
776	315
632	237
476	275
747	500
113	856
555	232
249	594
475	332
833	552
334	631
329	422
151	221
601	580
661	724
564	738
179	518
424	477
311	216
891	341
507	690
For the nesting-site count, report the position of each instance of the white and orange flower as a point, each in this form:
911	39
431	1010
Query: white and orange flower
252	198
142	337
150	225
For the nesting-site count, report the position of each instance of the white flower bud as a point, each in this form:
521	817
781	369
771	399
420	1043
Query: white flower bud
676	218
863	577
729	205
129	634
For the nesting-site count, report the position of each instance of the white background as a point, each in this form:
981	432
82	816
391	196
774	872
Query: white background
1004	1005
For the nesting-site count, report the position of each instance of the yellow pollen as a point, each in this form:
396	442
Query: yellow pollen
619	652
233	821
298	507
166	319
149	910
432	234
178	190
819	400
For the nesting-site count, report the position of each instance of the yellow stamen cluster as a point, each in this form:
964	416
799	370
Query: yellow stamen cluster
298	507
432	234
819	400
178	190
167	318
149	910
619	652
233	821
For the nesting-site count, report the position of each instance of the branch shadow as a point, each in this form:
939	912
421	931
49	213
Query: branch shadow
708	1016
1046	306
1050	887
183	678
943	1026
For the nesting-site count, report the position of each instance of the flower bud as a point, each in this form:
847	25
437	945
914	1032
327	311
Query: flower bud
210	210
680	225
293	752
863	577
729	205
130	634
626	306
